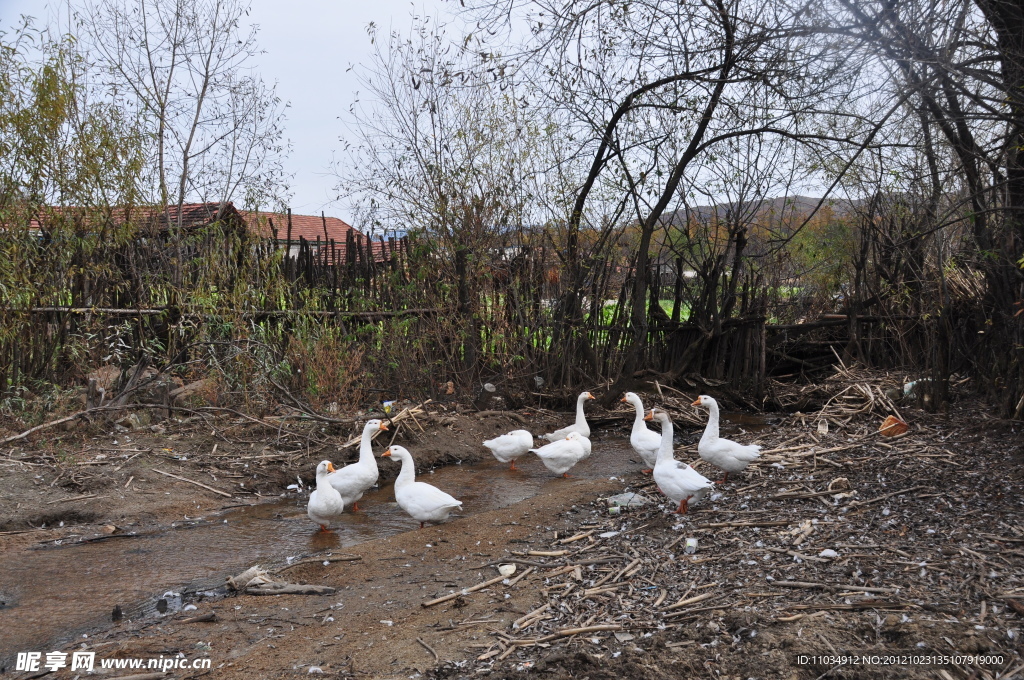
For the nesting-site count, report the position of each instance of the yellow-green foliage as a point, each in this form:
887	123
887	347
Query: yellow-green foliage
822	254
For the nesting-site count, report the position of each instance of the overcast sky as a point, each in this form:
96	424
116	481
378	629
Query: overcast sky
309	45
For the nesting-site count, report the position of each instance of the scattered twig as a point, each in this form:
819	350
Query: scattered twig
464	591
318	560
428	648
855	588
887	495
190	481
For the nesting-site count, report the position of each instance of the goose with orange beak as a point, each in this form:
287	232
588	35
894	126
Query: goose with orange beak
353	480
724	454
644	441
325	503
424	502
581	426
680	482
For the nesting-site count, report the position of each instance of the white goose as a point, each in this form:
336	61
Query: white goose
722	453
560	456
680	482
353	480
423	502
644	441
580	425
508	447
325	503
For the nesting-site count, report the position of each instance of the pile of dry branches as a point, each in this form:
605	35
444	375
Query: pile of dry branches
850	392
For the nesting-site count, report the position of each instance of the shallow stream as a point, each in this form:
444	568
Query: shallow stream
52	592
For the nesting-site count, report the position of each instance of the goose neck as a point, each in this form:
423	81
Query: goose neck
580	417
407	475
366	445
639	420
667	434
711	431
323	483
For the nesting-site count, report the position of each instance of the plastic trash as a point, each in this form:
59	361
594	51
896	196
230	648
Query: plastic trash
690	546
628	500
912	389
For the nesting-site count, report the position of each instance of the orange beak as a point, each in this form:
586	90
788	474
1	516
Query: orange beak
590	396
649	416
330	467
386	454
696	402
384	427
623	400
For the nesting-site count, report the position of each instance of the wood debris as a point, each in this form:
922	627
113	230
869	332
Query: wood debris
794	544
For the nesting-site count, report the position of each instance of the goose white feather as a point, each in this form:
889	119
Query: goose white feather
325	503
508	447
560	456
424	502
644	441
678	481
724	454
579	426
353	480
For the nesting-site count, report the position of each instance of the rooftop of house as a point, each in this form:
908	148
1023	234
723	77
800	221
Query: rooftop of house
309	227
189	216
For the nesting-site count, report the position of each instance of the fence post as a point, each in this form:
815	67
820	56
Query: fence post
288	248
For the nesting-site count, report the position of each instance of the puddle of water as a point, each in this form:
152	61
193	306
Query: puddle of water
750	422
53	594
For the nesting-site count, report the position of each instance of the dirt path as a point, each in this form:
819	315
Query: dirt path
927	579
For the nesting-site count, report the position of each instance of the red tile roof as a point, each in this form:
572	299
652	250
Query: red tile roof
263	224
193	215
313	227
309	227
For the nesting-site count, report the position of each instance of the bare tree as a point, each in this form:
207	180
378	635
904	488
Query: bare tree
656	90
186	68
943	58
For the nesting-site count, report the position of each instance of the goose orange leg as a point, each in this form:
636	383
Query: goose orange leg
323	529
683	506
513	466
723	479
355	507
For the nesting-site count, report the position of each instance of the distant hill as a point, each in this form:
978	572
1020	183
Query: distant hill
777	208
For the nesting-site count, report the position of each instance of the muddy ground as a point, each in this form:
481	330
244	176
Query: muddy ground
926	580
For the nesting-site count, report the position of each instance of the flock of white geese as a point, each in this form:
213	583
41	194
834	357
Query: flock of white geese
337	489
